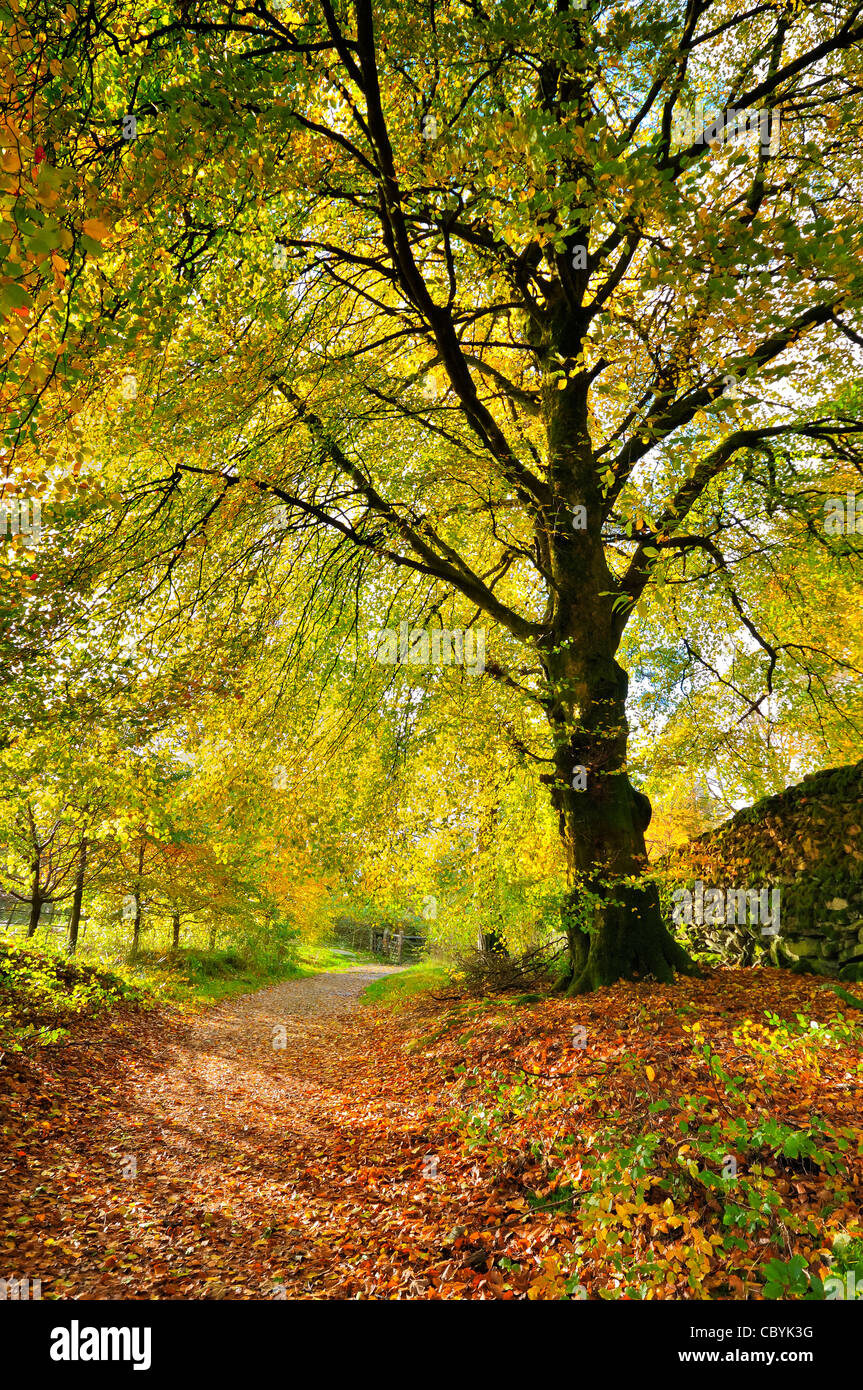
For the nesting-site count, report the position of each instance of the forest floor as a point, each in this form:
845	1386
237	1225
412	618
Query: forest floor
289	1144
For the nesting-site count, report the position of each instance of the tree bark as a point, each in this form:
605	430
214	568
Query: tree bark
36	899
77	898
175	928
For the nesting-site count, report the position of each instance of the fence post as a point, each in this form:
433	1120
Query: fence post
400	940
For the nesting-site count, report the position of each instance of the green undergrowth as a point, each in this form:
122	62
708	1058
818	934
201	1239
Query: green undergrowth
42	995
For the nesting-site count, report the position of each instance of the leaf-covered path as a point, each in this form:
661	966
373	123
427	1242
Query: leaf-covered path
450	1150
233	1155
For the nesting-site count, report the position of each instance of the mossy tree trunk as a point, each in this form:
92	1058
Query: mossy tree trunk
612	914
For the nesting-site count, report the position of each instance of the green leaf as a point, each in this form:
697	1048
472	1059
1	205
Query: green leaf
13	297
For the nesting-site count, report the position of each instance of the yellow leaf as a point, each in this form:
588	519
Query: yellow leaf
668	1207
650	1073
94	228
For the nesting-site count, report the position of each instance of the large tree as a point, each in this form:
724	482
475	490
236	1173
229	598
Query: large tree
465	288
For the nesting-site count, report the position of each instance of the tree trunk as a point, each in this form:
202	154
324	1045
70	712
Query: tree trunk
175	927
36	899
77	897
136	930
36	904
490	939
612	921
492	942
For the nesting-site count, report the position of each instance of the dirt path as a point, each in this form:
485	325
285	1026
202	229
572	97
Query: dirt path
236	1155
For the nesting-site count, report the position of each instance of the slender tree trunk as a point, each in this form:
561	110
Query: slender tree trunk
490	936
36	898
77	897
136	929
175	927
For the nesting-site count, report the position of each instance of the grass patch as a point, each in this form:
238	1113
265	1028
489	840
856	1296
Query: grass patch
392	990
314	959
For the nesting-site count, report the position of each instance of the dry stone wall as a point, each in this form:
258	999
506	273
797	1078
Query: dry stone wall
807	842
